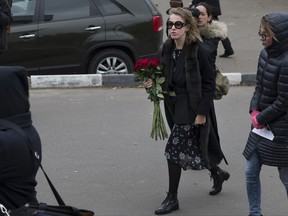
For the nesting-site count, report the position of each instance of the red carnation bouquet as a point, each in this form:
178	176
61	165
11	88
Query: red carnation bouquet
151	68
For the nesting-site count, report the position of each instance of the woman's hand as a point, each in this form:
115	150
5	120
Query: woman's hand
148	83
200	120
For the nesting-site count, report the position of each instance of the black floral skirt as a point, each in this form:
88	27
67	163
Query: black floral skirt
183	147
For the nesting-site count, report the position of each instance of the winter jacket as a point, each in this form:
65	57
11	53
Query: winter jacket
5	22
199	85
18	167
211	34
271	92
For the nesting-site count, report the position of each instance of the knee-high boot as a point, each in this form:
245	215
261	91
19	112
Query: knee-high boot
227	47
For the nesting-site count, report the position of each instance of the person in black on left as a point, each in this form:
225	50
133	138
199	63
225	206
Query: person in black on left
18	166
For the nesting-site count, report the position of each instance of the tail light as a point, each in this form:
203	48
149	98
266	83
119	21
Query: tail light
157	23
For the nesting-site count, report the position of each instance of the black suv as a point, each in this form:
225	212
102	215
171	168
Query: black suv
82	36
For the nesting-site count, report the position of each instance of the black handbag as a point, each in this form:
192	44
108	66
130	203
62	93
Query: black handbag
41	209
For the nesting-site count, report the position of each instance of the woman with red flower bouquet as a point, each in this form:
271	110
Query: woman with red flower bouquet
194	140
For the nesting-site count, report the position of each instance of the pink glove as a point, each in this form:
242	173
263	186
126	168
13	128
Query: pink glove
254	113
255	123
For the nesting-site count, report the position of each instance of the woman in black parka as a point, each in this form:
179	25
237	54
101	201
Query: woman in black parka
194	141
18	166
269	109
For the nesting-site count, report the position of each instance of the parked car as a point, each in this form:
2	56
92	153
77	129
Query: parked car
82	36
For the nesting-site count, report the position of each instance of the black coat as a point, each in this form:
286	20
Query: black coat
271	92
211	34
5	22
200	86
18	167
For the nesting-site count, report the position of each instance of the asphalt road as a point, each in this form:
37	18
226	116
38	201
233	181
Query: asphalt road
243	19
97	152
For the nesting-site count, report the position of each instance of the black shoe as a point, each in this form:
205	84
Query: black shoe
227	54
219	177
168	205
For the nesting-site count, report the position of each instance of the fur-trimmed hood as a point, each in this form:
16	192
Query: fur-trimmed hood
215	29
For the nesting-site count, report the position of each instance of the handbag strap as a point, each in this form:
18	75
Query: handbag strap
20	131
4	210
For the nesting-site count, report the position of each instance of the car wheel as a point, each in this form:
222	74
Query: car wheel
111	61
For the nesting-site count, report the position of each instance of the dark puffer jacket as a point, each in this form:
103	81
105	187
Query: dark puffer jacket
271	96
271	93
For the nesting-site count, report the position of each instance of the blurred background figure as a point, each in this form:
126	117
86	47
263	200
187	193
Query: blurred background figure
5	22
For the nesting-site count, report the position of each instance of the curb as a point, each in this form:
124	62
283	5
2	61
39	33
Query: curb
127	80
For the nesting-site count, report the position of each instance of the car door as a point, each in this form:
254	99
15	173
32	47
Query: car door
22	38
65	29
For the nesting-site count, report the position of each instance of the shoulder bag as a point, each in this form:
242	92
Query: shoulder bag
222	85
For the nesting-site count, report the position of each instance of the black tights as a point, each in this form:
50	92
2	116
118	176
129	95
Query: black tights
214	169
174	171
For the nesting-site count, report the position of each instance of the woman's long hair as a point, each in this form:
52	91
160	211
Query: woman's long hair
193	34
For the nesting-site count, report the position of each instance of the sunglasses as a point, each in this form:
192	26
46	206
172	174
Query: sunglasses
177	24
262	35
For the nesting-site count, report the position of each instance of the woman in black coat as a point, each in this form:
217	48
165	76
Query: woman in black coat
216	11
212	31
18	166
269	109
194	141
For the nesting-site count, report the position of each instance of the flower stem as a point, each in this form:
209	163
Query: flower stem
158	124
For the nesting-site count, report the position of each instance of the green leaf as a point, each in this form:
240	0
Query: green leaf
160	80
161	96
158	87
172	93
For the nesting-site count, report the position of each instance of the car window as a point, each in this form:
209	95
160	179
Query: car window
110	7
56	10
23	11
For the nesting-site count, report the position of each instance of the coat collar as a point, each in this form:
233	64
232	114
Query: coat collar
215	29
